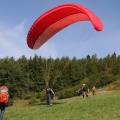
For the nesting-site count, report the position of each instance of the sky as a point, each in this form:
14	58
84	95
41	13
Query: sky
77	40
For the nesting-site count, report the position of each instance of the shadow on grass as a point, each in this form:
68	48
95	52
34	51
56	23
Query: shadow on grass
54	103
44	103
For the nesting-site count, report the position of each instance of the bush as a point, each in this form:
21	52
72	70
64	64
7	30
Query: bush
27	97
33	101
67	93
101	80
42	96
30	95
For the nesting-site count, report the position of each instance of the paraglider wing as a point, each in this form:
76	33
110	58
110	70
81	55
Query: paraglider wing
54	20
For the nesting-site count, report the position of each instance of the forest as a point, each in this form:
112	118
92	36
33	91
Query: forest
28	77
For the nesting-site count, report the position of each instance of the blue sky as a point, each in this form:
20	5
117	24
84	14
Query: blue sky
78	39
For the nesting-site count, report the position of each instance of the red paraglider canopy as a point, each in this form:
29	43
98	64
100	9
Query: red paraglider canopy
58	18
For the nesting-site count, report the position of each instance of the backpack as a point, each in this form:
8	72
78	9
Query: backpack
80	92
4	95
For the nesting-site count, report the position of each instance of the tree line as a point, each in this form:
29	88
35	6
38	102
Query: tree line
25	77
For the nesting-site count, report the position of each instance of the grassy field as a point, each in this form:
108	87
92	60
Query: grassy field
104	106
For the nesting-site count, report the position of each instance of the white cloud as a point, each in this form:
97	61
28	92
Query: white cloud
10	39
13	43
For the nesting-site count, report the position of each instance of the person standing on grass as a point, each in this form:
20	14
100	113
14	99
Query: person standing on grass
4	100
94	90
85	90
49	95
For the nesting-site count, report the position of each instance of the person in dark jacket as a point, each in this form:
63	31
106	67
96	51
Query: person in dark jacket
85	90
49	95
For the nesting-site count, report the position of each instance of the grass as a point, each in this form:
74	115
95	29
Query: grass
103	106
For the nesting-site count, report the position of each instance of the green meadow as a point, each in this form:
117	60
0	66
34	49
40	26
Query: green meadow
104	106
